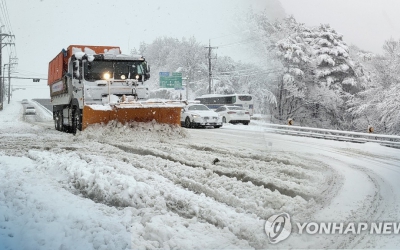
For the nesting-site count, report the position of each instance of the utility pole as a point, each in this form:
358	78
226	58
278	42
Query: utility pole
187	87
209	64
9	76
2	36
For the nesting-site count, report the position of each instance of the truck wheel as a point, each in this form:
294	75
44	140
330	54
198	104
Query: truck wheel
56	120
76	120
60	120
188	124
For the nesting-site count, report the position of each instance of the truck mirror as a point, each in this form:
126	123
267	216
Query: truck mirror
76	72
77	75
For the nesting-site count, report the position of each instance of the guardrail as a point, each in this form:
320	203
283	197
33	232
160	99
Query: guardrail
386	140
42	107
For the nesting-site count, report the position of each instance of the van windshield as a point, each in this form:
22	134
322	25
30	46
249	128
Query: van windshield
198	107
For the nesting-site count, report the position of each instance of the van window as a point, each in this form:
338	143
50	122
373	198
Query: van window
245	97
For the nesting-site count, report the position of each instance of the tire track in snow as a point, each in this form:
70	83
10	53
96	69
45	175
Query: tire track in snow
381	206
239	176
152	163
260	202
199	179
112	182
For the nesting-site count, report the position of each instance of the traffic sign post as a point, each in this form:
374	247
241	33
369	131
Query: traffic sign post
174	81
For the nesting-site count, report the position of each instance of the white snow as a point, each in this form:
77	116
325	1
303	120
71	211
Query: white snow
114	51
79	55
152	186
89	51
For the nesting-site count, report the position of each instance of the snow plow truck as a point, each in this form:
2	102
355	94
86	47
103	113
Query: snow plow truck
98	84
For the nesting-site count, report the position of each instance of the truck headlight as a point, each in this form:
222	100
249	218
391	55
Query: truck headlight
106	76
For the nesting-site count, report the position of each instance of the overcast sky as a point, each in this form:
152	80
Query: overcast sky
365	23
43	27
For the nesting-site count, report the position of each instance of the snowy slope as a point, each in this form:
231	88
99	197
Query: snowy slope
154	186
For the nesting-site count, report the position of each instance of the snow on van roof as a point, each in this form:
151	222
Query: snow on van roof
221	95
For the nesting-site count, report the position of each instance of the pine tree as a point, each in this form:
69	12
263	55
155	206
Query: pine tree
334	66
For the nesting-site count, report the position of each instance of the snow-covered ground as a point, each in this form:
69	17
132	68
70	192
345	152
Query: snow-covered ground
151	186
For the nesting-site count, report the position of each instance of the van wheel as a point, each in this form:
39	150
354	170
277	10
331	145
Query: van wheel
188	124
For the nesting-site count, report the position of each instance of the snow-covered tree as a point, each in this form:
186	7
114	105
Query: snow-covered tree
317	75
334	66
378	105
134	51
168	54
294	53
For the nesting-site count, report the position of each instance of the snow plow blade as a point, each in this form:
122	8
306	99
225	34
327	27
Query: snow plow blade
93	114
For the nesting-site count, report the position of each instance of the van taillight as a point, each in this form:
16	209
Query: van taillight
246	112
231	112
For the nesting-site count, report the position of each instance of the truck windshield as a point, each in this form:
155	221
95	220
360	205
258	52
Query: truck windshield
96	70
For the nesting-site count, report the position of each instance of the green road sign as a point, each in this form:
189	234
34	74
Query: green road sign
174	81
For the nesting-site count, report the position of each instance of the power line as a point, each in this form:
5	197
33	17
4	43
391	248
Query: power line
249	69
27	72
250	40
6	21
231	34
234	71
226	35
33	85
8	17
33	78
253	73
4	10
30	87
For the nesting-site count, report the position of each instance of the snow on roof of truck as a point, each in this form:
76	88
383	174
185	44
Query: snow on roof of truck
109	54
123	57
79	53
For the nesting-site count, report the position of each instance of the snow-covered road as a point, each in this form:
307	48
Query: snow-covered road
153	186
